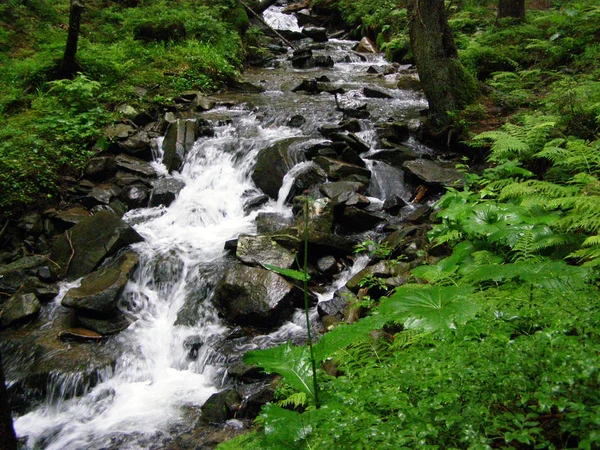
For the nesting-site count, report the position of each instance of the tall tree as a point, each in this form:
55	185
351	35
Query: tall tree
8	440
511	8
69	63
447	85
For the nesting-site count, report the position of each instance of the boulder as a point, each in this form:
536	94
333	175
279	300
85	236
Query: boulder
100	291
317	34
302	59
351	140
375	93
341	188
267	222
296	121
356	219
15	275
394	132
100	167
256	296
328	265
435	173
366	45
272	164
105	326
101	194
136	165
254	202
70	217
118	131
258	250
19	308
337	306
138	145
179	139
396	156
221	406
382	269
165	191
336	170
309	177
81	249
135	195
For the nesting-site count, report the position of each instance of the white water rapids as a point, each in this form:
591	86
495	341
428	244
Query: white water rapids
149	394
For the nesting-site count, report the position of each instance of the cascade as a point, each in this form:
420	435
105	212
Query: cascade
151	392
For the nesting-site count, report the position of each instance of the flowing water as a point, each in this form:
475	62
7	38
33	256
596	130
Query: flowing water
152	391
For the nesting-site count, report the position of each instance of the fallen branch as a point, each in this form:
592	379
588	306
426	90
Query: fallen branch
261	20
68	236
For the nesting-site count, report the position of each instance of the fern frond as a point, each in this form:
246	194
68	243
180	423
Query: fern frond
296	400
591	241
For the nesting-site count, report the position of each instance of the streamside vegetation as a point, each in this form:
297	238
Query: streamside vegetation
494	341
130	57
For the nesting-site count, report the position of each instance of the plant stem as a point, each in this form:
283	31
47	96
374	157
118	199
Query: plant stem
306	306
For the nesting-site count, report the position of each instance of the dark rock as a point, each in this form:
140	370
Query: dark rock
296	121
231	245
258	250
351	140
375	93
415	213
315	33
165	191
19	308
395	132
118	131
393	204
100	291
70	217
366	45
330	322
255	202
310	86
302	59
88	243
255	296
352	125
337	306
323	61
179	139
268	222
382	269
292	35
159	32
243	87
374	70
105	326
244	372
341	188
101	194
350	156
221	406
397	156
435	173
46	292
336	170
135	195
272	164
31	223
309	177
138	145
100	167
357	219
328	265
192	345
135	165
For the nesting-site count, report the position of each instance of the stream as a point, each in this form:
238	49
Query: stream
154	391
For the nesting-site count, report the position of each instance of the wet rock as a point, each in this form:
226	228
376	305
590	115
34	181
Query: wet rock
244	87
258	250
31	223
19	308
415	213
100	167
221	406
100	291
337	306
15	275
101	194
357	219
307	179
46	292
255	296
393	204
70	217
138	145
397	156
118	131
79	334
302	59
296	121
105	326
382	269
350	156
315	33
135	195
305	17
88	243
394	132
330	322
375	93
351	140
255	202
323	61
269	222
366	45
135	165
341	188
435	173
328	266
272	164
336	170
179	139
374	70
320	243
123	178
165	191
256	395
310	86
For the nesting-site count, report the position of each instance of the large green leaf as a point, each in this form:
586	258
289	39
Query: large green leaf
291	273
430	307
289	361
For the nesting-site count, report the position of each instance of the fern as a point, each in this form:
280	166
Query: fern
296	400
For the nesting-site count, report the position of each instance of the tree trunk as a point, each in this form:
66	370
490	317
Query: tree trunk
511	8
69	63
447	85
8	440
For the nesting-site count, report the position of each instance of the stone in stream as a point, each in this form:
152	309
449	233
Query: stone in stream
267	222
366	45
221	406
336	170
341	188
396	156
165	191
302	59
356	219
136	165
101	194
394	132
18	308
82	248
296	121
441	174
317	34
179	139
135	195
100	291
261	249
138	144
351	140
375	93
256	296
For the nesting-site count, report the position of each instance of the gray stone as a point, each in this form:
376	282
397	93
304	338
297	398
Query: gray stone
100	167
138	145
337	306
179	139
272	164
81	249
118	131
101	194
135	165
165	191
328	265
256	296
221	406
366	45
105	327
336	170
337	188
317	34
382	269
358	220
19	308
258	250
396	156
135	195
268	222
435	173
375	93
100	291
352	141
31	223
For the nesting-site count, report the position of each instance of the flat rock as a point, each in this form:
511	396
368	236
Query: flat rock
165	191
19	308
336	170
261	249
136	165
435	173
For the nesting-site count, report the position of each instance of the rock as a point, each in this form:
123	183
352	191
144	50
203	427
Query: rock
351	140
394	132
302	59
19	273
70	217
357	219
159	32
101	194
309	177
135	165
179	139
341	188
255	296
310	86
323	61
165	191
272	164
138	145
394	204
350	156
374	70
336	170
31	223
88	243
243	87
258	250
100	167
366	45
135	195
328	266
80	334
105	326
255	202
382	269
397	156
415	213
292	35
337	306
255	396
375	93
267	222
315	33
118	131
330	322
19	308
435	173
123	178
100	291
221	406
296	121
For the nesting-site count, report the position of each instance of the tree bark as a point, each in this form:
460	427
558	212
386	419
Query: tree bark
447	85
69	63
8	441
511	8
